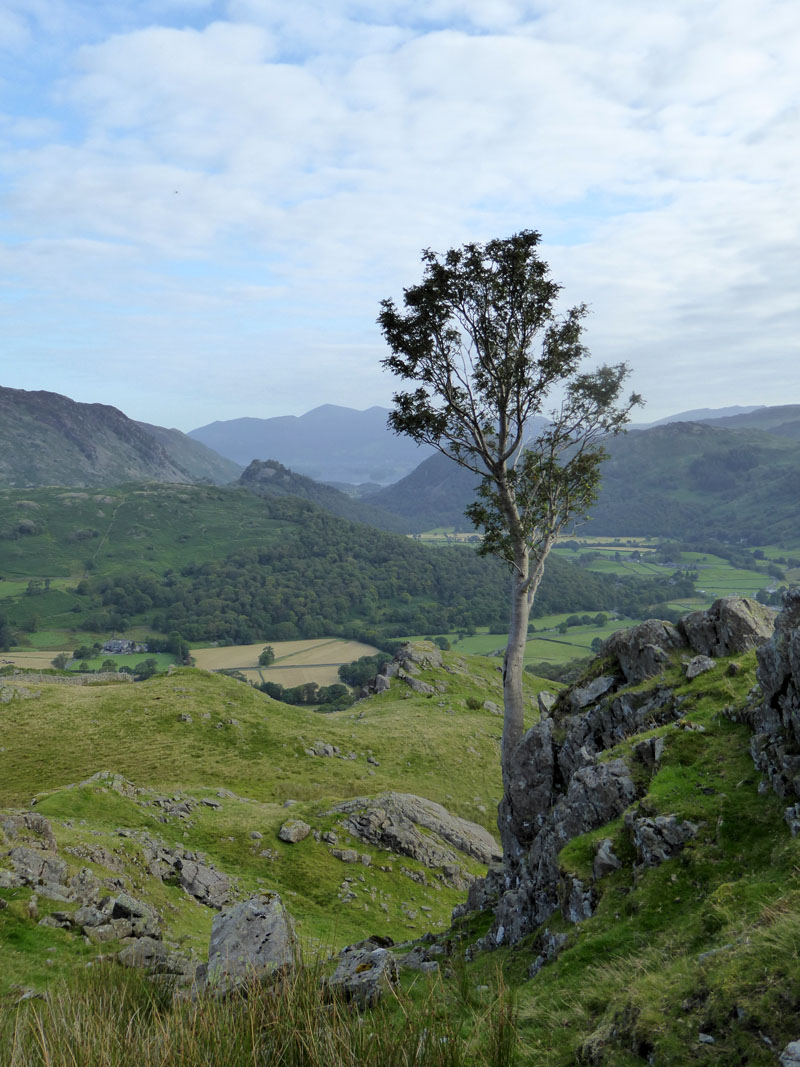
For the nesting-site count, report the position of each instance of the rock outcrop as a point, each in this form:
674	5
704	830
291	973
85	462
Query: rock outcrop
406	665
775	716
561	783
414	826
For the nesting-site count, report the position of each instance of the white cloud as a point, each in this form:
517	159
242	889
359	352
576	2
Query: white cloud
307	152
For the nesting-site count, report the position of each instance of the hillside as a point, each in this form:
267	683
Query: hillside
329	443
434	494
689	480
270	478
48	439
683	479
783	420
222	564
662	921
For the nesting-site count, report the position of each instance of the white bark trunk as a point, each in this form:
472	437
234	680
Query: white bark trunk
513	665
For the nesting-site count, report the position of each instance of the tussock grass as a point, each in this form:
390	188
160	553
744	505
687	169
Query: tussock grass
110	1017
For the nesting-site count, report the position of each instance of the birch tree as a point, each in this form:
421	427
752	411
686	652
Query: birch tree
496	384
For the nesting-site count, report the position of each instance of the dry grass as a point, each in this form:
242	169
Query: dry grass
326	651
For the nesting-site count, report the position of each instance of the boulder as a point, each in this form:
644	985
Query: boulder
643	651
363	972
731	625
545	701
790	1057
550	945
398	821
157	957
294	830
605	862
30	827
660	838
34	865
697	666
250	940
581	696
202	881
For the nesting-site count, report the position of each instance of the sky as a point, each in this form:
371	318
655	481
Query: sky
202	202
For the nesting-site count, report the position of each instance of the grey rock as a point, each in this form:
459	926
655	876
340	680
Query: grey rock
775	720
550	944
155	956
294	830
414	826
249	941
732	624
605	862
31	827
322	748
576	901
203	882
583	696
346	855
423	688
545	701
660	838
89	916
790	1057
10	880
643	651
363	972
697	666
38	865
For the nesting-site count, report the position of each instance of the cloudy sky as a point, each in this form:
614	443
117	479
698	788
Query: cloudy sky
203	201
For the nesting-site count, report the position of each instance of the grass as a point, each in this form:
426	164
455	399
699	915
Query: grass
109	1018
635	983
436	747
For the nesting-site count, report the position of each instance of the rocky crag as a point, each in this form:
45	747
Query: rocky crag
568	777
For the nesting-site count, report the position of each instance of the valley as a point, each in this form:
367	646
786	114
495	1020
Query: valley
190	790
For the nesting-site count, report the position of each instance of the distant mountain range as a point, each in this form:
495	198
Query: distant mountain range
733	473
329	444
48	439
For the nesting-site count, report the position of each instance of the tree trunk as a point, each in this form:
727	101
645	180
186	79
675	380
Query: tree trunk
513	663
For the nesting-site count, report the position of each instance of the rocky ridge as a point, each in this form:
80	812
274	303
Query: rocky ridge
567	781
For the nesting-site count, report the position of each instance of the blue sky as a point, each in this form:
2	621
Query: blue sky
202	203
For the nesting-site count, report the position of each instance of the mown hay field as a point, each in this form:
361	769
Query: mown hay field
296	662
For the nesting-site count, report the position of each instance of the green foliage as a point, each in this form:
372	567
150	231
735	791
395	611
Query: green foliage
482	344
266	656
363	670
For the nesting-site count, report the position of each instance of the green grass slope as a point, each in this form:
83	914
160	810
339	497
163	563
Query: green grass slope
247	755
696	961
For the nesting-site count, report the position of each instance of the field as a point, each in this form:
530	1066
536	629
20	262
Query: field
295	662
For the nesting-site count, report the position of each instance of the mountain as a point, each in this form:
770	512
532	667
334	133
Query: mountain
694	480
200	461
434	494
48	439
699	415
681	479
270	478
783	420
329	444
